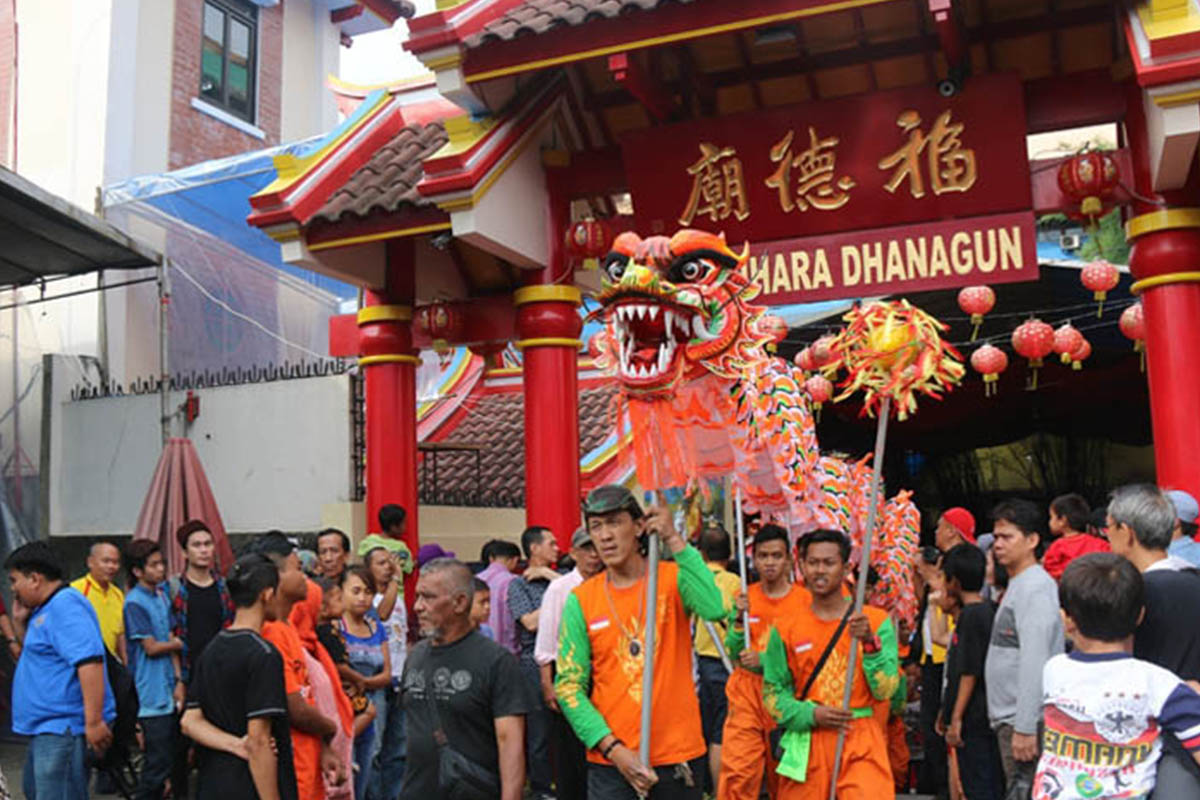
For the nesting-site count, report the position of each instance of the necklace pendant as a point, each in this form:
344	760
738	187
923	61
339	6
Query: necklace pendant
635	648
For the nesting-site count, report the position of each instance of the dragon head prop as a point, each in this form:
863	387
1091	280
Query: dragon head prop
674	308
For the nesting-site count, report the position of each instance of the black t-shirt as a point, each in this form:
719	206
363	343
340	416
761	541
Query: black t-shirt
331	639
240	677
473	681
205	617
966	656
1169	635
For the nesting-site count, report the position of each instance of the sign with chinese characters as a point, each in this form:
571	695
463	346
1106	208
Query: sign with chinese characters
868	161
997	248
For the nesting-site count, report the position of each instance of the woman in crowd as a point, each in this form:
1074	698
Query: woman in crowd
367	651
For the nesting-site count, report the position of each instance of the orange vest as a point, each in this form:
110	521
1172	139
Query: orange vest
806	636
615	619
767	612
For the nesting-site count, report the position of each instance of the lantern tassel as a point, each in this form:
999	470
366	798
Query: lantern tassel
976	320
1034	363
816	412
1100	303
1077	365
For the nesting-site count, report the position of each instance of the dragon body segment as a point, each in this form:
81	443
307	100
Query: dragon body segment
705	400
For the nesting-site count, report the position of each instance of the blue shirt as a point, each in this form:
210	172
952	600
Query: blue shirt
63	633
147	616
1186	548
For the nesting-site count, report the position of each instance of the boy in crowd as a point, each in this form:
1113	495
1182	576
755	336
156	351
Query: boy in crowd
1069	516
964	709
237	707
1105	709
154	662
748	726
481	608
311	730
60	693
803	687
714	546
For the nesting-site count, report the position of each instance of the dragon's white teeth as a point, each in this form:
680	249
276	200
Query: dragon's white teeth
641	311
700	329
653	312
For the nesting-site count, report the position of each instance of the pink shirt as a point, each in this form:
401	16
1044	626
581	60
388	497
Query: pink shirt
497	577
545	647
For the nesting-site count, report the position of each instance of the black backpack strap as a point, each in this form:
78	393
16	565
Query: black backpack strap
812	677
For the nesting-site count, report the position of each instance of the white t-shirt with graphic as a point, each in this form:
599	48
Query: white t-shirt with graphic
397	630
1104	714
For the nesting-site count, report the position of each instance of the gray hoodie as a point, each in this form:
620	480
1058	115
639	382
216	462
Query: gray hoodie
1026	633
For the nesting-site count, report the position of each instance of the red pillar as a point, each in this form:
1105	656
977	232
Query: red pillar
549	327
389	363
1165	260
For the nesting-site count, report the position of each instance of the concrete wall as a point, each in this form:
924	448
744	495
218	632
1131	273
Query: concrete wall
310	54
276	454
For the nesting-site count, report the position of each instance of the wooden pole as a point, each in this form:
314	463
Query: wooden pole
885	411
740	527
648	645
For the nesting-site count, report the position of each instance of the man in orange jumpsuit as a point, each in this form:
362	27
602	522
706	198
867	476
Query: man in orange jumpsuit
747	748
812	719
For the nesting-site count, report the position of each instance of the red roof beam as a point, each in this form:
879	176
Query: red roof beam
949	33
629	73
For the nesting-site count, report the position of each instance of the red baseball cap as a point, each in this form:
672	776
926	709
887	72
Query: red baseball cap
961	519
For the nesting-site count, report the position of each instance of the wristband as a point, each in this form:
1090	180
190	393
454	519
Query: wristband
612	745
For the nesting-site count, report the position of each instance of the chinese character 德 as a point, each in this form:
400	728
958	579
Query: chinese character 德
718	186
951	166
815	186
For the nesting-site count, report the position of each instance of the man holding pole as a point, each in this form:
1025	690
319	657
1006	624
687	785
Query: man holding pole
748	727
603	640
804	682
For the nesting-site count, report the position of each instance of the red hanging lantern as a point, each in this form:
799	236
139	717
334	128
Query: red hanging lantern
1034	340
775	328
820	390
587	240
1089	180
804	360
1101	277
1133	325
989	361
1067	339
1081	354
976	301
822	350
441	322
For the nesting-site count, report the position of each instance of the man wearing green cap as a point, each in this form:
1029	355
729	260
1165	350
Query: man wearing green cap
602	643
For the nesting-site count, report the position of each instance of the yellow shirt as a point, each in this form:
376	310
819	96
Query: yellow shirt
730	585
934	653
109	605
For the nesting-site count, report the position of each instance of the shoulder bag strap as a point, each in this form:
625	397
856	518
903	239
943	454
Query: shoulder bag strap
812	677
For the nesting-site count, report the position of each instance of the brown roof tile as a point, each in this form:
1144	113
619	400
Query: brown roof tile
497	422
539	16
389	180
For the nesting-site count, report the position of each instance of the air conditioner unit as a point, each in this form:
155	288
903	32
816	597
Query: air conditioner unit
1070	241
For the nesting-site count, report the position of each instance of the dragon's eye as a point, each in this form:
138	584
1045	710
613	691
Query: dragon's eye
614	266
689	271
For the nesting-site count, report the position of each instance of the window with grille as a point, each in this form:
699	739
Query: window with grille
228	58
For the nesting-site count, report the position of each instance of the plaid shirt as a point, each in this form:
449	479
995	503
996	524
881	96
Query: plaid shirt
178	592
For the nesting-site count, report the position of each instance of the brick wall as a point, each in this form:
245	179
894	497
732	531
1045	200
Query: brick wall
196	136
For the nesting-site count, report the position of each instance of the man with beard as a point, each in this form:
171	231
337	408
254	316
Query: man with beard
602	654
462	693
803	688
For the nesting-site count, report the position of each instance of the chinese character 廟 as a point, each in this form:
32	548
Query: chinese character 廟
951	166
815	185
718	186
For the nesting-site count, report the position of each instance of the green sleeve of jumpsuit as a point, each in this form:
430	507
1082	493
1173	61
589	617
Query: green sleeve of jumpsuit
574	676
779	690
882	668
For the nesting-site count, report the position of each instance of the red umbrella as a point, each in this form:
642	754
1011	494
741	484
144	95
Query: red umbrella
179	492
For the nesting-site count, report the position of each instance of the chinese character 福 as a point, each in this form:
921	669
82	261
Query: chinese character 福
951	166
718	186
815	185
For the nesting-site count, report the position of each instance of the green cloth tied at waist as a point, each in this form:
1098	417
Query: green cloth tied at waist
796	746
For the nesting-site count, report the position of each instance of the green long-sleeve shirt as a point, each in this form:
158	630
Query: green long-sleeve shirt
574	682
880	669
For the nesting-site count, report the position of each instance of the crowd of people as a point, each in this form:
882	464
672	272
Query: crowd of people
1055	657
